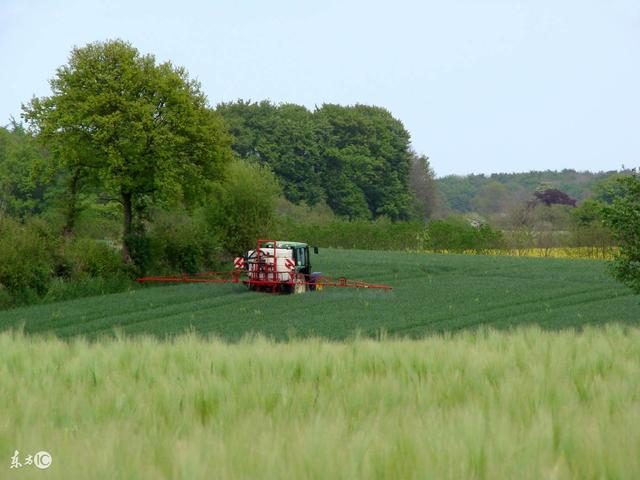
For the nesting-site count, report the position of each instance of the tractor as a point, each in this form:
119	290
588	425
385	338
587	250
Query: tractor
279	266
274	266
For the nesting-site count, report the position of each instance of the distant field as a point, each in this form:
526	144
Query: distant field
528	404
605	253
432	293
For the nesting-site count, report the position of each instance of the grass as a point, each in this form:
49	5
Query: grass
432	293
529	403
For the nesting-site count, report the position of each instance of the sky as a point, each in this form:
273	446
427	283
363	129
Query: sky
482	86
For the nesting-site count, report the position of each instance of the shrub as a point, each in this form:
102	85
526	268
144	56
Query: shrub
458	234
241	209
381	234
140	249
60	289
84	257
33	260
25	262
182	243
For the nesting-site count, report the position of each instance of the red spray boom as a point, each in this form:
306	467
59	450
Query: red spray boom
275	267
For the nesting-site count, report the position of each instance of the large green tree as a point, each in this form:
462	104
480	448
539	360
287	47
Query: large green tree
357	158
282	137
366	161
622	215
141	130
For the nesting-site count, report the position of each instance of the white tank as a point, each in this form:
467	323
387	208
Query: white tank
263	270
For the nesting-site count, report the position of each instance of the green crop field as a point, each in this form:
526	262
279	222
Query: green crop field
432	293
429	396
480	405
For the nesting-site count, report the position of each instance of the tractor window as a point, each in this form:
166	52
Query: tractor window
302	257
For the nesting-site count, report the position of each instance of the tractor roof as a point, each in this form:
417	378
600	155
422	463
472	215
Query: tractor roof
285	244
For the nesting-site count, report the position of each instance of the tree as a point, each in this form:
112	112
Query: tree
367	150
22	180
356	157
423	185
243	206
140	129
457	192
553	196
283	137
610	188
491	199
589	229
623	217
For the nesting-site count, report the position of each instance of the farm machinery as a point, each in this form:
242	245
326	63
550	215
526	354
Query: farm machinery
274	266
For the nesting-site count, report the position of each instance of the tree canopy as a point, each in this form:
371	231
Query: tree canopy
468	193
356	158
22	180
423	185
243	206
283	138
367	157
140	129
553	196
622	215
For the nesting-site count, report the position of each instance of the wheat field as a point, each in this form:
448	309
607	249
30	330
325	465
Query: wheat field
525	403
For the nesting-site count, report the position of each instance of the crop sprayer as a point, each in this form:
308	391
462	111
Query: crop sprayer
274	267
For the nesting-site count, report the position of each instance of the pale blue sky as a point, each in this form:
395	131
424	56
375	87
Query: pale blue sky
482	86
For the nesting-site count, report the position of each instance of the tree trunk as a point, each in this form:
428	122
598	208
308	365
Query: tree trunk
71	211
126	230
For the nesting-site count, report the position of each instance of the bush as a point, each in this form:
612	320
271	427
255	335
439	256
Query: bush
33	261
26	264
457	234
381	234
241	208
182	243
140	249
60	289
84	257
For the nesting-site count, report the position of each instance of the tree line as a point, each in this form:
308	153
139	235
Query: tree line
490	194
127	151
125	128
356	158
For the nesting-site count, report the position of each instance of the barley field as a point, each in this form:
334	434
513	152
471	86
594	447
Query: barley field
527	403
